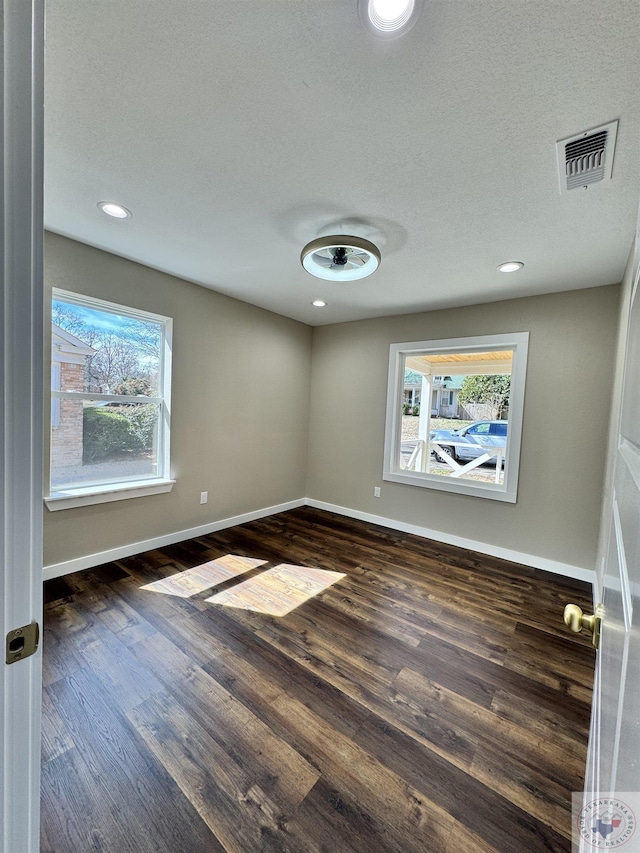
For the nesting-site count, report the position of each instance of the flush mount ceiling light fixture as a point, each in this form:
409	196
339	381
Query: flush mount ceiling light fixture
510	266
340	258
389	18
117	211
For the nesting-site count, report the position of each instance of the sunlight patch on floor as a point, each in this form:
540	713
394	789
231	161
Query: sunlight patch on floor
277	591
192	581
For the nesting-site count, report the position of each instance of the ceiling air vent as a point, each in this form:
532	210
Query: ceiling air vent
586	158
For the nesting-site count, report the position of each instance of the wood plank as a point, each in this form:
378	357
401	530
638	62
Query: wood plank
277	591
258	674
274	765
113	774
66	629
190	582
467	800
403	816
72	818
555	661
566	722
56	740
431	700
125	622
120	673
234	808
461	795
497	743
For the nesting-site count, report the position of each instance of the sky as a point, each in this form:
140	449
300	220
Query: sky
104	321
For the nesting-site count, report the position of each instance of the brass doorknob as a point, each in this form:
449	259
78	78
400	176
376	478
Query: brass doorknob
576	620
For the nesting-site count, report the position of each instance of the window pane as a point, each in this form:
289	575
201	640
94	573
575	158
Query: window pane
105	352
98	443
460	383
101	351
442	433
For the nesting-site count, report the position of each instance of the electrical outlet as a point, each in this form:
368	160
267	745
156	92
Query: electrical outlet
204	497
376	491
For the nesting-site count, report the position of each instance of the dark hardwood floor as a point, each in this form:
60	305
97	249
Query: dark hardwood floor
431	700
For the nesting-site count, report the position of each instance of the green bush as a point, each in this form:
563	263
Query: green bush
104	432
142	425
132	385
108	431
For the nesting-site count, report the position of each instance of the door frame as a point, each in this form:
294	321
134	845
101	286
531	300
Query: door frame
21	378
610	676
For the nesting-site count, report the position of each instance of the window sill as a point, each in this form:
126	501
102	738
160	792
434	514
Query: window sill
88	495
446	484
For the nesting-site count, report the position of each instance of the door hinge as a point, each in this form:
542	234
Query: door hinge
22	642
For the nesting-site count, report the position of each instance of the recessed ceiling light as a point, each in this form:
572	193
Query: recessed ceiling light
319	303
510	266
340	258
117	211
389	17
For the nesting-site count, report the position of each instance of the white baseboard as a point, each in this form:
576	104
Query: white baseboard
534	562
57	570
89	561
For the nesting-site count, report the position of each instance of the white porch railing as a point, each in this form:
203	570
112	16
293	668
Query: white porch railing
457	470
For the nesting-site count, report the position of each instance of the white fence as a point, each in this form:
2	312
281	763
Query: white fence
421	460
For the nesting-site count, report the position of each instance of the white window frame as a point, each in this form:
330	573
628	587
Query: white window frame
507	491
95	493
55	386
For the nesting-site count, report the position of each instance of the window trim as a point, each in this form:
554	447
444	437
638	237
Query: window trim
518	342
56	372
89	495
94	493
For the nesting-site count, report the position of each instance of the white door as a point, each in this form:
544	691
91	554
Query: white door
613	768
21	25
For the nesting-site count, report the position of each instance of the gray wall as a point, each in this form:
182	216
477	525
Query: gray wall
243	430
569	376
240	405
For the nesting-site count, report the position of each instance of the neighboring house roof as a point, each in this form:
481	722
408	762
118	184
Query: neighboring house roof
66	347
453	383
412	378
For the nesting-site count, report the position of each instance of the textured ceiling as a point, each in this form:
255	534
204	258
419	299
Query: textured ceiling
238	130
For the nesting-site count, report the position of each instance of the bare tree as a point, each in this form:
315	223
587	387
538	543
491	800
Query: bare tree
66	318
145	337
129	352
114	360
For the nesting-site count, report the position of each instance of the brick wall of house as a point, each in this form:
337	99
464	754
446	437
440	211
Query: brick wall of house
66	438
